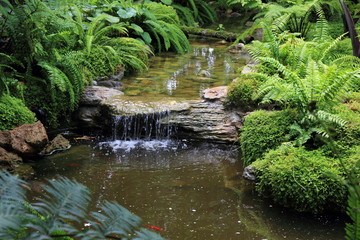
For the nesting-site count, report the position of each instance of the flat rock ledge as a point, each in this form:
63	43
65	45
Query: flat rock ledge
204	119
207	119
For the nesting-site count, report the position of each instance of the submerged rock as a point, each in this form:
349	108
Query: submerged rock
249	173
59	143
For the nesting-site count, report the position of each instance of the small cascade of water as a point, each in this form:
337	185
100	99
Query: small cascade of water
142	126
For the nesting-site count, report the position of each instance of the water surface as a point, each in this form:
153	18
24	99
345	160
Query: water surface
185	188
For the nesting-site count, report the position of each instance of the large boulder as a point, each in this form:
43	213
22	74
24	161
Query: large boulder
26	140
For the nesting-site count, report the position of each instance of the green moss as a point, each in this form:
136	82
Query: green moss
241	91
303	180
13	113
264	130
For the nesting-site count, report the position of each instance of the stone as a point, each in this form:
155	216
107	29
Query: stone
8	160
205	120
87	115
25	171
29	139
249	173
59	143
205	73
249	24
5	140
249	68
116	77
110	84
216	93
93	95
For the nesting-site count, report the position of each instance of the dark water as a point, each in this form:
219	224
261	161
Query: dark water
185	188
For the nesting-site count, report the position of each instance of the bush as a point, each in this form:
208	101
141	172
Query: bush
241	91
264	130
13	113
303	180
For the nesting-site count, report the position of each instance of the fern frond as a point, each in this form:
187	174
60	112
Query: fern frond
353	211
114	220
64	200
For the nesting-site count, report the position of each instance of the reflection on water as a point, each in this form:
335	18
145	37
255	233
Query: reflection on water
185	188
183	76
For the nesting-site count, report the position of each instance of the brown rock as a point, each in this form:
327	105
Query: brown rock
216	93
29	139
8	159
58	143
5	140
93	95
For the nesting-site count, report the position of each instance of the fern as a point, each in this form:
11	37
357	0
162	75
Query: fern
55	214
353	229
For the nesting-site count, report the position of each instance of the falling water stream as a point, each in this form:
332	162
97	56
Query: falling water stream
191	190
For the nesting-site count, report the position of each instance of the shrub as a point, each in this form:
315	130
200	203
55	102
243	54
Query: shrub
13	113
262	131
241	91
303	180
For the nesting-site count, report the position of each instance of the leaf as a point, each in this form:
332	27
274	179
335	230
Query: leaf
137	28
146	36
126	13
166	2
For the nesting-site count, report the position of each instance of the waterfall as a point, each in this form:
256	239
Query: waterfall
142	126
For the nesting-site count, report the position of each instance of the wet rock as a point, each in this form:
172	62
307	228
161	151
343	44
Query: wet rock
250	67
249	173
25	171
216	93
110	84
205	120
26	140
93	95
59	143
235	15
8	160
116	77
205	73
249	23
91	103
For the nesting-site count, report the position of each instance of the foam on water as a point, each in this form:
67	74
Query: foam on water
135	145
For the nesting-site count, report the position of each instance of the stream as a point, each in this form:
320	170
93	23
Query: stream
191	190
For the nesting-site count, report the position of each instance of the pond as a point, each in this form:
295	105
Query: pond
191	190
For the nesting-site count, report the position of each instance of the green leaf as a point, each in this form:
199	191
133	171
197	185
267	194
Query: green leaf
137	28
166	2
146	36
126	13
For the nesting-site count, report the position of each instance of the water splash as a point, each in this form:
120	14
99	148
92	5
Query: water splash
142	126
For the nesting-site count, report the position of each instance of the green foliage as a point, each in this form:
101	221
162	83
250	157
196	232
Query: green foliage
353	229
194	12
13	113
305	76
241	91
57	214
263	131
300	179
